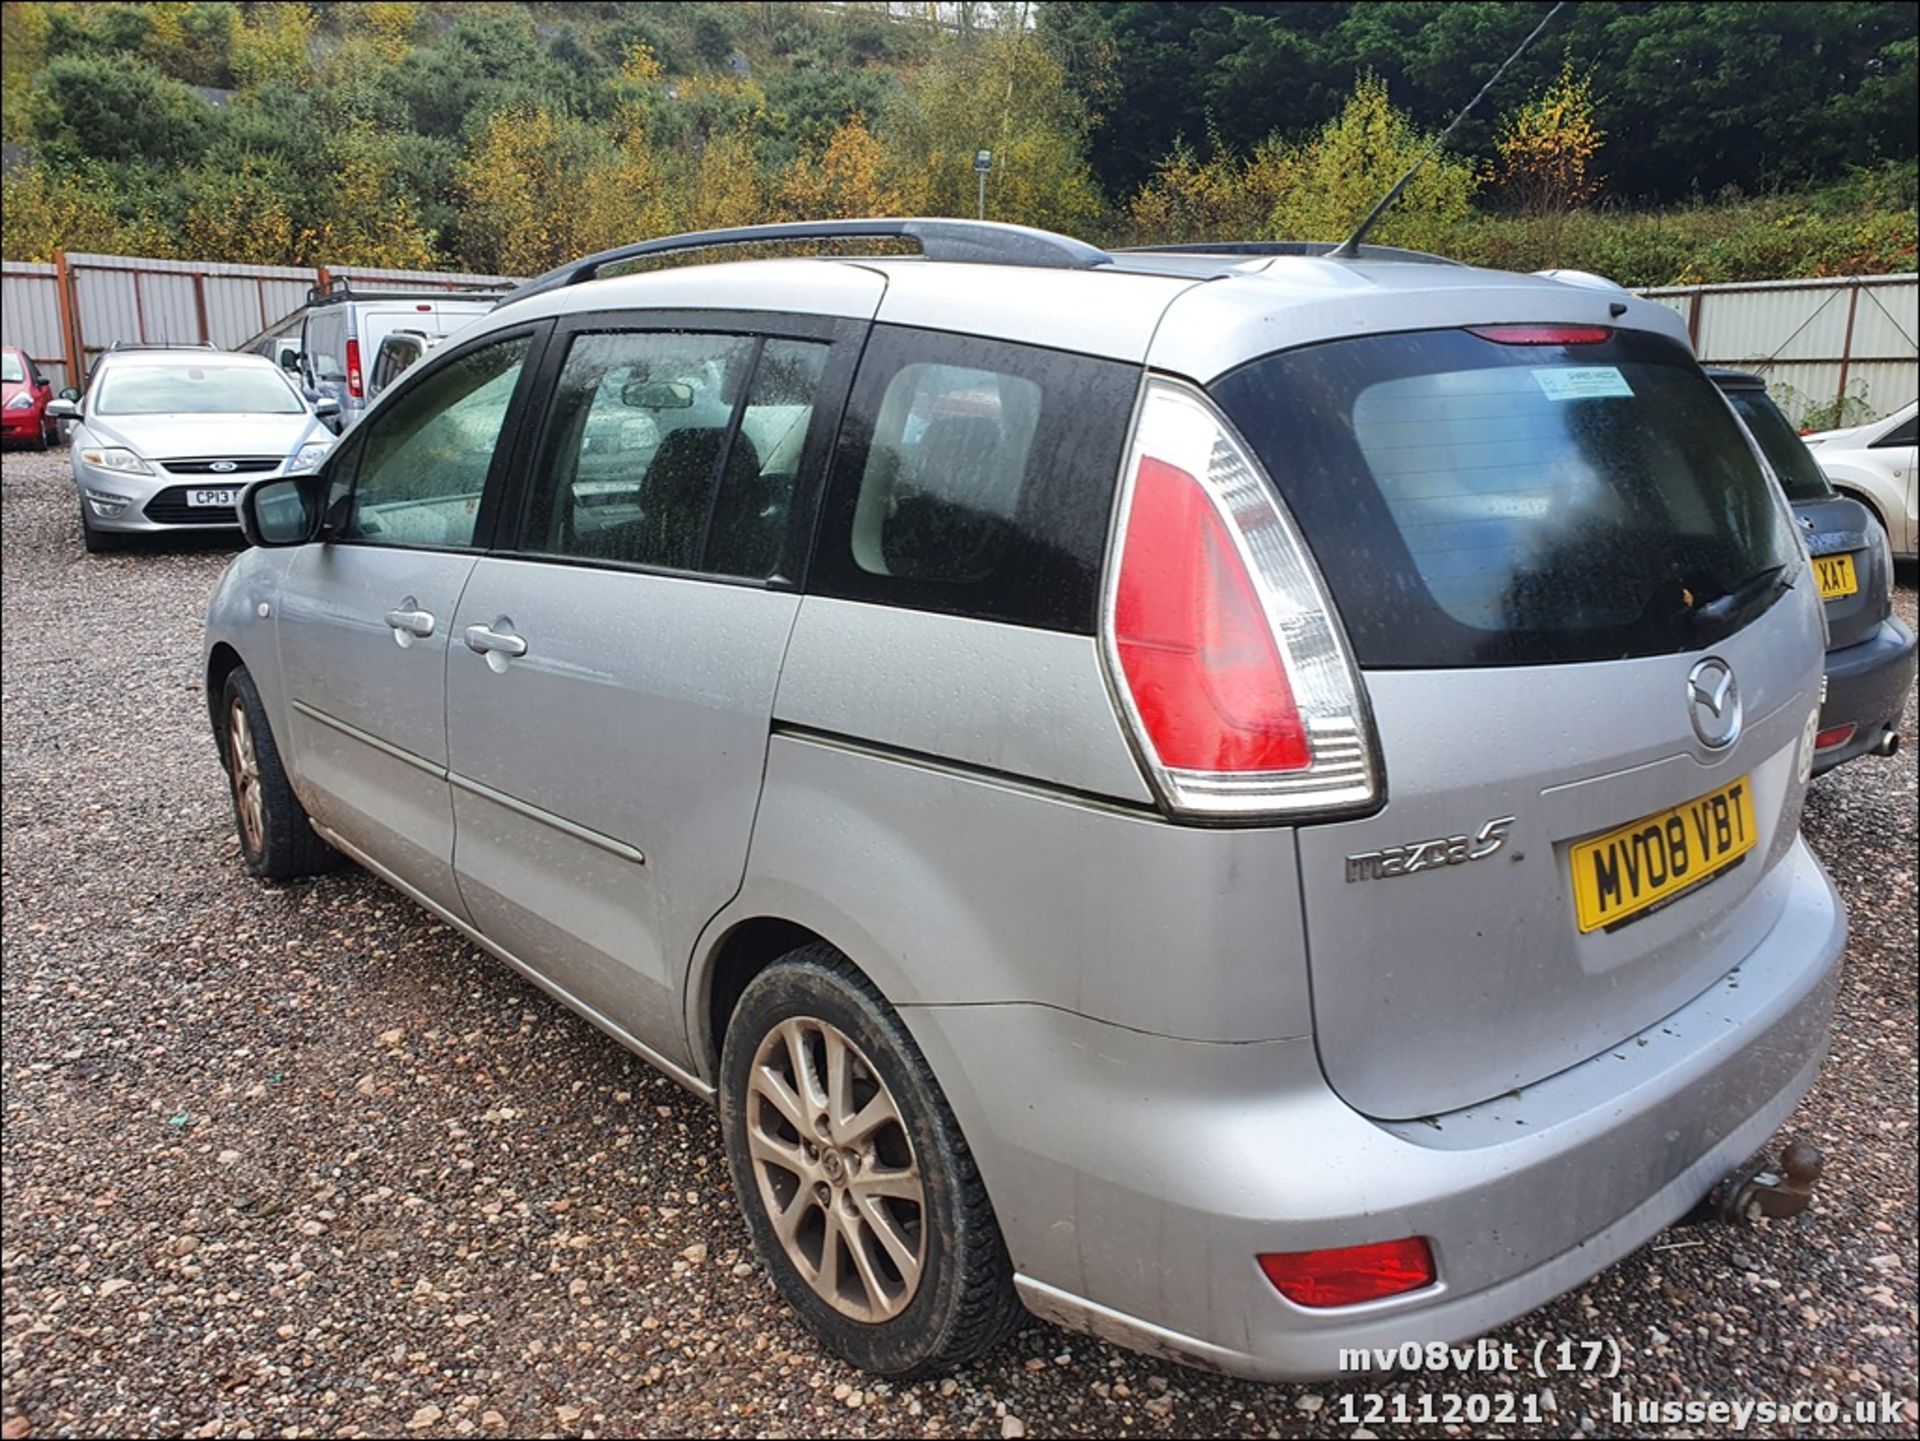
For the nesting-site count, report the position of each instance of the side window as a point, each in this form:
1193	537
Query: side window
396	354
748	533
976	477
1899	435
423	463
643	465
326	345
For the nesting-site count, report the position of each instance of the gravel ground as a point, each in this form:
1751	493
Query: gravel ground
298	1160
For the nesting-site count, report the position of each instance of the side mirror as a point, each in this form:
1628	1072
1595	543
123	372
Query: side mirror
70	393
285	511
290	360
61	408
326	405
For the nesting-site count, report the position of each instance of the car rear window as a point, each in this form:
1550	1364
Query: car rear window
1799	473
1475	503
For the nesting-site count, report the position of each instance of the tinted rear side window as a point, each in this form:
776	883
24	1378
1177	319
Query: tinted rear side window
1475	503
975	477
1799	473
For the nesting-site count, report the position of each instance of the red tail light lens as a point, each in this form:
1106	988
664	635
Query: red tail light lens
1543	334
1351	1274
1834	736
1224	650
1193	641
353	368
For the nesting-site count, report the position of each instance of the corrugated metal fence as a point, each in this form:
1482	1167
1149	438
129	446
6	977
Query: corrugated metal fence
1815	341
77	307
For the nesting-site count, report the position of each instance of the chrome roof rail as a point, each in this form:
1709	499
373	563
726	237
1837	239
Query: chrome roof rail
984	242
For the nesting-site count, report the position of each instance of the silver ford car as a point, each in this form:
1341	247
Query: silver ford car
1247	802
166	437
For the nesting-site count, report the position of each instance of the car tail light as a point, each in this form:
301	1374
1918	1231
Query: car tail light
1349	1275
1833	736
1228	662
1543	334
353	369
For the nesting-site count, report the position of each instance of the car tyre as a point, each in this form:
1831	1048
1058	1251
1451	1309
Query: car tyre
860	1192
97	541
277	841
44	440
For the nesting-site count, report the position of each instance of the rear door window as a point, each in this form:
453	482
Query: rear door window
676	451
326	344
975	478
1472	502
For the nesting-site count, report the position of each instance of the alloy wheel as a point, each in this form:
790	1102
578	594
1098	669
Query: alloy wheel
244	761
836	1170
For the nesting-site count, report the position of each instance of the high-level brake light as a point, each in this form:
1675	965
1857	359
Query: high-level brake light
1543	334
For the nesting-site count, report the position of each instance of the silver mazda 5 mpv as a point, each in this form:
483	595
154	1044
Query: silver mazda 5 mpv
1248	802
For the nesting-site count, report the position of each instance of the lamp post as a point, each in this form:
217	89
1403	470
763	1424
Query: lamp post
982	163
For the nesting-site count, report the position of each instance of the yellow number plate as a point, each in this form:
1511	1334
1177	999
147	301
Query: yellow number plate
1628	870
1836	577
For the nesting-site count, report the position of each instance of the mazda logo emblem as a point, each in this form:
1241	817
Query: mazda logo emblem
222	466
1713	703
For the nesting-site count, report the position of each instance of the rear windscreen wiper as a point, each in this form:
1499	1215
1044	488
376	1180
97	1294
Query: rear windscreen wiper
1756	589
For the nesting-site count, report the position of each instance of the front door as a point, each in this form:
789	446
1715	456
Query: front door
611	682
365	615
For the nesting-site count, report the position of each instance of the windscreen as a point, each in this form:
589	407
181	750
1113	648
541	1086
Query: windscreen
1800	474
11	368
195	390
1478	503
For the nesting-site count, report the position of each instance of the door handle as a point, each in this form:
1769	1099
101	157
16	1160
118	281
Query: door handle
484	641
409	622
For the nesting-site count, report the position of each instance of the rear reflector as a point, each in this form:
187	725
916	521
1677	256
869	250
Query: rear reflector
1351	1274
1543	334
1833	736
1222	644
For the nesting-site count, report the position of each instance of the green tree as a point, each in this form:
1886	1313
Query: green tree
1330	183
115	108
1004	91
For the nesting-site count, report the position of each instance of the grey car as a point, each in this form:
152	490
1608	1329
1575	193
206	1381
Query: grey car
1871	652
165	438
1246	803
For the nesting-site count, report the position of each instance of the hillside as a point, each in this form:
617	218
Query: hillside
505	137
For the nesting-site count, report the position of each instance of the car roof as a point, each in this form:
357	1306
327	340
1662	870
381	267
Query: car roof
1197	313
162	359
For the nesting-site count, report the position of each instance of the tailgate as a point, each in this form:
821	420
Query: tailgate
1592	650
1444	985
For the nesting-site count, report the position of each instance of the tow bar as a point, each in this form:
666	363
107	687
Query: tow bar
1755	1190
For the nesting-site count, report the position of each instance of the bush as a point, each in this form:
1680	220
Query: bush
114	108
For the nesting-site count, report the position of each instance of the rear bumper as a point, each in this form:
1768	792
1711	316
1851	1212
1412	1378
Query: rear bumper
1867	686
1137	1178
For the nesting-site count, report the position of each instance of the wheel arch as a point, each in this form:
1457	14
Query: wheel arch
222	661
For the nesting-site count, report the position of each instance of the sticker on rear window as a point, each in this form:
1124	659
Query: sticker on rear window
1582	383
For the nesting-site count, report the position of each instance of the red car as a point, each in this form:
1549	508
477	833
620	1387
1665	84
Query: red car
23	413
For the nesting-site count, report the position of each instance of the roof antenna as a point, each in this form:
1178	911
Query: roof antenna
1349	249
